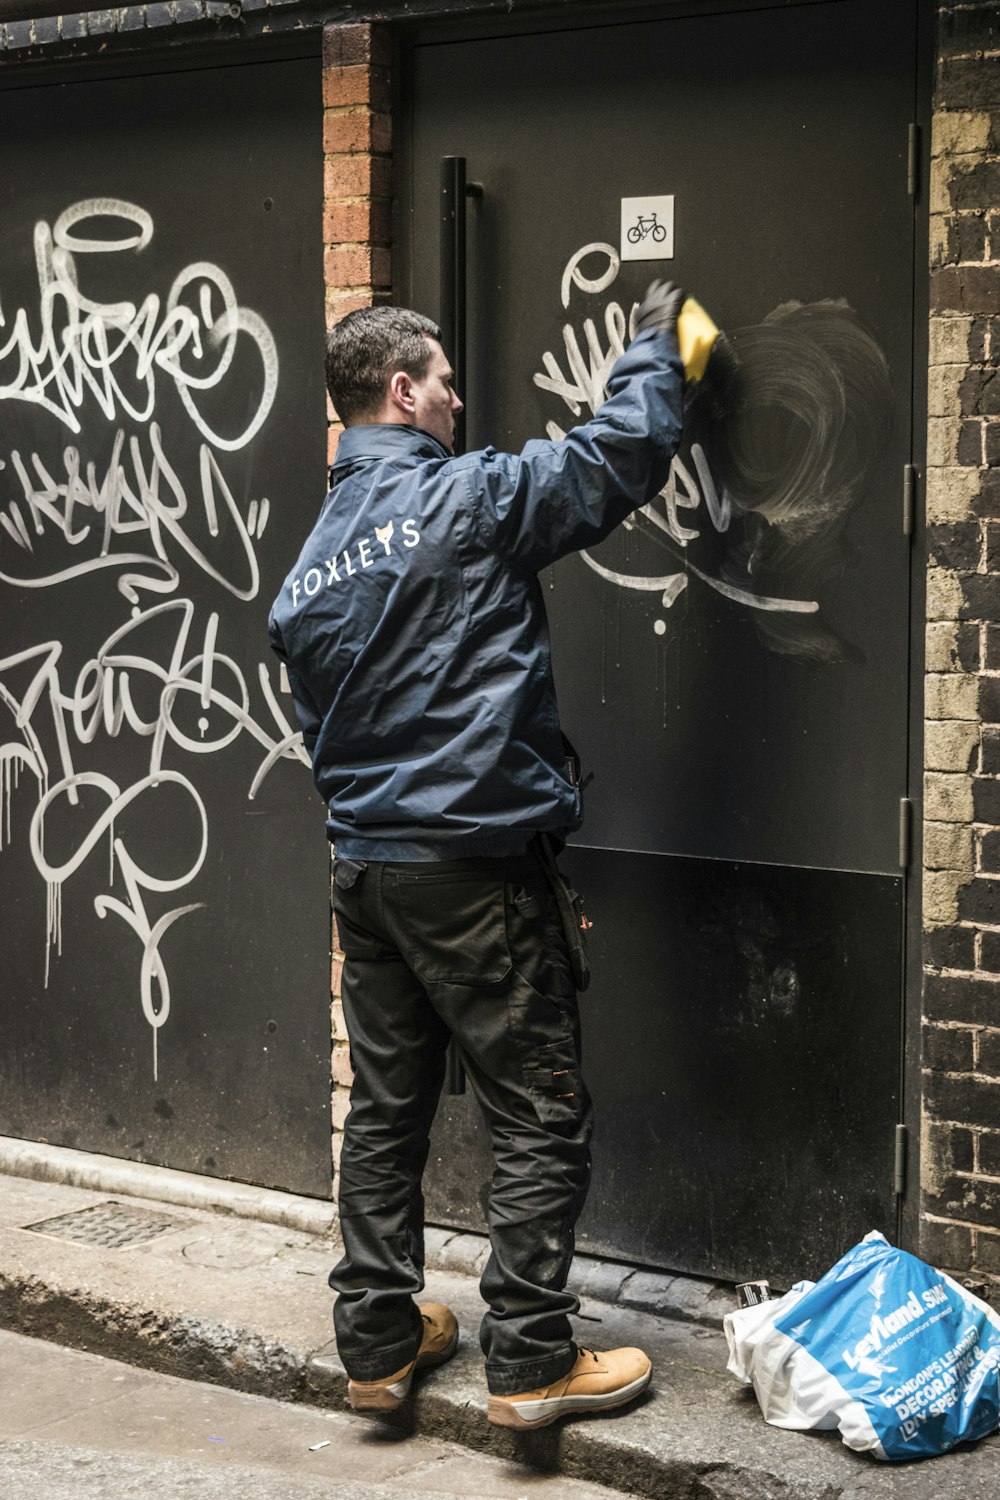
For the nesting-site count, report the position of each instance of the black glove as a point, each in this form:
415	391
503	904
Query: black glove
660	307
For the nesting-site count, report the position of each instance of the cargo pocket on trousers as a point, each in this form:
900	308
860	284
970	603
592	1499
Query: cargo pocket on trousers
459	927
553	1079
355	940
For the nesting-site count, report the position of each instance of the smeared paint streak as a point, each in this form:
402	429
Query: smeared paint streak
792	436
779	452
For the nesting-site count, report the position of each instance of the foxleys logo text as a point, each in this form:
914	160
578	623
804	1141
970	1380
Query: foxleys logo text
882	1328
347	564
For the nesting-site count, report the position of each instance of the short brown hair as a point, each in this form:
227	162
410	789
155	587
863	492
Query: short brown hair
363	352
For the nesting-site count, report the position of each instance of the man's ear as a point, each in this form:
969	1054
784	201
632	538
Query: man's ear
399	395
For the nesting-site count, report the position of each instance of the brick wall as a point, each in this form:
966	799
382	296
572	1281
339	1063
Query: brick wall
357	181
357	220
961	1056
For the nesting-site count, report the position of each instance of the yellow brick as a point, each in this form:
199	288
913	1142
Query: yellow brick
338	1025
948	846
949	341
940	198
950	493
941	888
942	441
947	797
956	132
951	695
938	239
949	746
943	382
341	1070
944	594
941	646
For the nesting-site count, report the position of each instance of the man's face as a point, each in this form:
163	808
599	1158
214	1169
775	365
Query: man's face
436	402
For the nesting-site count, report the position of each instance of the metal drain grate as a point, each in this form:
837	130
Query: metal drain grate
107	1225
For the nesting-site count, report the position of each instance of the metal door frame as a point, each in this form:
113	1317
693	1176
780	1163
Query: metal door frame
591	16
186	57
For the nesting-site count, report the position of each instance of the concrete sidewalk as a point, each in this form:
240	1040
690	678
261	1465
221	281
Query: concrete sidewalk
245	1304
76	1426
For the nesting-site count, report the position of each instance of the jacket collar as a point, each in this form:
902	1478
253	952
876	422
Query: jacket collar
386	440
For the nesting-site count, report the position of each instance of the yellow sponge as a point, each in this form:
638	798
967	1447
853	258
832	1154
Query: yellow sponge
696	335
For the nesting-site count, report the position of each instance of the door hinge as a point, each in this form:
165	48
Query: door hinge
905	831
899	1164
909	499
913	160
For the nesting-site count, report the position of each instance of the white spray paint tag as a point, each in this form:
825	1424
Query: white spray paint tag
647	231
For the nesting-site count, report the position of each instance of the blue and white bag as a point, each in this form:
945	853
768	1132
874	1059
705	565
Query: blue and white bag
896	1354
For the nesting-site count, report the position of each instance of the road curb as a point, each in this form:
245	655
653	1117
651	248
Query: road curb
691	1299
572	1449
191	1348
238	1358
107	1174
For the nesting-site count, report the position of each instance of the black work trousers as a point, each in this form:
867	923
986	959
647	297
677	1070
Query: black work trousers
471	948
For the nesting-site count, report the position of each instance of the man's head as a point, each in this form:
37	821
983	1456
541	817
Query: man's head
386	364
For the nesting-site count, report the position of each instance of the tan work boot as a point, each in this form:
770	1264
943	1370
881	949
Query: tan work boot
597	1382
438	1344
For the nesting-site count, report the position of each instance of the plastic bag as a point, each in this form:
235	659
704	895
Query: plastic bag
896	1354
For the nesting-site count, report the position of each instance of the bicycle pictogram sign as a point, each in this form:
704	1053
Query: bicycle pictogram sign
645	227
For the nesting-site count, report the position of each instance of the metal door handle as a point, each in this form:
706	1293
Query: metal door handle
455	191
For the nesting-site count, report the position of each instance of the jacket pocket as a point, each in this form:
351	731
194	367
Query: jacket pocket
457	927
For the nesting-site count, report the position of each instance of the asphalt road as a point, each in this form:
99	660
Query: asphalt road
74	1426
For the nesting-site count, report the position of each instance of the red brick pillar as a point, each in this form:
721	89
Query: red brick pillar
357	186
357	219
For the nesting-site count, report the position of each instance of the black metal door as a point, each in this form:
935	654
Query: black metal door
161	444
733	666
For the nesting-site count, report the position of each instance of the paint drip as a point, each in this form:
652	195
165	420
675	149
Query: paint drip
10	772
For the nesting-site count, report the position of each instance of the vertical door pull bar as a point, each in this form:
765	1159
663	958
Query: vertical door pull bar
455	190
451	317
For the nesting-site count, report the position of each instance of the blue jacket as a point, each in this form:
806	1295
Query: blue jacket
413	625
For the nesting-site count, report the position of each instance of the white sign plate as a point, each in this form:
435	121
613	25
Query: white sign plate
648	228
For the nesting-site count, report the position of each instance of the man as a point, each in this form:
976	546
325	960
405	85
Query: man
413	629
